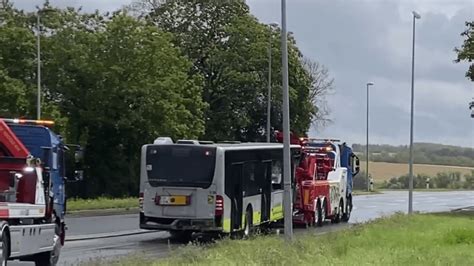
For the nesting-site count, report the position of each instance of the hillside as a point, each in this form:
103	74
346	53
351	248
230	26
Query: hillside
425	153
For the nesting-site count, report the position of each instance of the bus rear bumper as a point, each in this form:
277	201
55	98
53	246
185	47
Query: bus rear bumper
178	224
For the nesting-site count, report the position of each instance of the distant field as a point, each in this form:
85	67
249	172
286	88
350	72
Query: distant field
384	171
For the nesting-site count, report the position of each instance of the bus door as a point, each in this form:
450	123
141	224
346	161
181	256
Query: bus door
237	189
266	190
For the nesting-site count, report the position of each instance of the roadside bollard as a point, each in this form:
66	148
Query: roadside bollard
428	183
371	184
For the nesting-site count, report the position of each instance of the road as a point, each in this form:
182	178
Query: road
156	244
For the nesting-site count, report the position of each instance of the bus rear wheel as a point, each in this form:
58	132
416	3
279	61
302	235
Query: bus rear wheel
181	236
248	230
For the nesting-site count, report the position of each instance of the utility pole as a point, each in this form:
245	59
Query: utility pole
367	143
287	199
410	171
38	59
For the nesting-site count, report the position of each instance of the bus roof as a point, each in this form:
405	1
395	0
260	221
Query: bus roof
240	146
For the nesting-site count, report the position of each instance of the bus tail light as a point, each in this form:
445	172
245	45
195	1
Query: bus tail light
219	205
140	201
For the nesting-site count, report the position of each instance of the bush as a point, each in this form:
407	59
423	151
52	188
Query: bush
446	180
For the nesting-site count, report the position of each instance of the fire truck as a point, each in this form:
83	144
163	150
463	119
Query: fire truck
32	191
323	181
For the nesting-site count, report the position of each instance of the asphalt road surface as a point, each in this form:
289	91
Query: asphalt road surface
156	244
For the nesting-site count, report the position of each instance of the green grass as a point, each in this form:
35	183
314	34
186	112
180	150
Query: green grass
436	239
101	203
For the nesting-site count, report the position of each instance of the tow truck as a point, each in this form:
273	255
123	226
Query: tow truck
323	181
32	191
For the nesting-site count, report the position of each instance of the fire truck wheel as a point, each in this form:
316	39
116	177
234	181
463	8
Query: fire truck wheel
5	247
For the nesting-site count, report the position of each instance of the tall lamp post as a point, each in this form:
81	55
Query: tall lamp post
367	142
410	170
38	59
269	94
287	199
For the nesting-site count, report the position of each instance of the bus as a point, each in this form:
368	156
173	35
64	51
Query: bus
212	188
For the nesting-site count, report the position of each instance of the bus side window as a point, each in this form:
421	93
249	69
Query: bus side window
251	186
277	175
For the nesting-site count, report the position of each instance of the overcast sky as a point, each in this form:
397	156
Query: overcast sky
370	40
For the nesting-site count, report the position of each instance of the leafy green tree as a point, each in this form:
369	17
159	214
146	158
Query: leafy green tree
228	47
121	84
466	52
13	95
16	63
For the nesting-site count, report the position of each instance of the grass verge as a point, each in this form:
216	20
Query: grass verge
435	239
75	205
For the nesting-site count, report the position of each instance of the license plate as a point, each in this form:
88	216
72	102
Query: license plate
173	200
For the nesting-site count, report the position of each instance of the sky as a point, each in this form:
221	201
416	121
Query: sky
362	41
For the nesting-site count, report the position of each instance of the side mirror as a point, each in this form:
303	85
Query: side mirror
355	165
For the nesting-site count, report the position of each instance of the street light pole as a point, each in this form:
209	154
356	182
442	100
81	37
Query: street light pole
367	143
410	171
287	199
38	59
269	94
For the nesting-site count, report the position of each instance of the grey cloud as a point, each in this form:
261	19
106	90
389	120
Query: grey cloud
371	40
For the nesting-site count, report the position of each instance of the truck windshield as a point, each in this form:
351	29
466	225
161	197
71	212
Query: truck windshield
180	165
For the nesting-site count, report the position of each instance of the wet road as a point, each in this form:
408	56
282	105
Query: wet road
156	244
373	206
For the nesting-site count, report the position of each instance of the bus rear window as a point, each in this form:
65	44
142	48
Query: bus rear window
180	165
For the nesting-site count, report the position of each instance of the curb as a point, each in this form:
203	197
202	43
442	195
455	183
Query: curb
108	235
101	212
464	209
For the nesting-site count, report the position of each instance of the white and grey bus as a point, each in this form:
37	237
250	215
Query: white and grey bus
227	188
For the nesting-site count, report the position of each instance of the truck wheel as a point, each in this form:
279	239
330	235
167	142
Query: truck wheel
347	214
321	214
339	213
51	258
5	247
248	230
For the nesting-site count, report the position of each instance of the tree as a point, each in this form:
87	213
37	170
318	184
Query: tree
113	82
321	86
13	95
466	52
228	47
121	84
17	77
